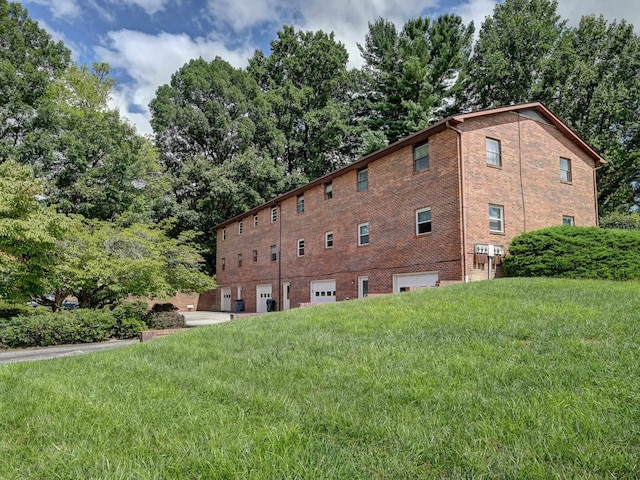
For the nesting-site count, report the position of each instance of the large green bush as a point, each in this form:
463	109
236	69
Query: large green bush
48	328
575	252
10	310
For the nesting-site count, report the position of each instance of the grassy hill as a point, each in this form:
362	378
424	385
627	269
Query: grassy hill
514	378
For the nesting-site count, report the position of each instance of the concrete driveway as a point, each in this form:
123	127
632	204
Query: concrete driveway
193	319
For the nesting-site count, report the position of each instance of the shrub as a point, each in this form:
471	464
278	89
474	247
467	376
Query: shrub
162	320
129	319
575	252
10	310
627	221
163	307
48	328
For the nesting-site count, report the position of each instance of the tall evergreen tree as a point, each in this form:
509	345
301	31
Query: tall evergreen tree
413	73
512	53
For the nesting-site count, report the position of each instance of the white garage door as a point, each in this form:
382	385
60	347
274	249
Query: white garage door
225	299
323	291
407	281
263	293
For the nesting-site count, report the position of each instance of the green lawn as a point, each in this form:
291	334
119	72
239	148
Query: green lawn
514	378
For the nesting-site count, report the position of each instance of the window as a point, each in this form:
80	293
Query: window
565	170
421	157
363	234
328	191
255	256
496	218
300	203
274	214
255	220
363	179
224	234
328	240
239	260
240	227
493	152
301	247
423	221
274	253
567	220
223	263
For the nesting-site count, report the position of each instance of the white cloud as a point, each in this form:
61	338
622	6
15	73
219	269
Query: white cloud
573	10
151	60
149	6
61	8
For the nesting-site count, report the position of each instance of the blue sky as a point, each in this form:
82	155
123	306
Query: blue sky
145	41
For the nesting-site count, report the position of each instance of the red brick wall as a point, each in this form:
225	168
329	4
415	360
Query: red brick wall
527	185
395	193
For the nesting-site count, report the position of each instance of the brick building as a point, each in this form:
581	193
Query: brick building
426	210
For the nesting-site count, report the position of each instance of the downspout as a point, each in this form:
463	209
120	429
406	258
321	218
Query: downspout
463	222
595	192
279	289
524	208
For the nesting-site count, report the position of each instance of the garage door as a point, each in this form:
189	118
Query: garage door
323	291
225	299
263	293
407	281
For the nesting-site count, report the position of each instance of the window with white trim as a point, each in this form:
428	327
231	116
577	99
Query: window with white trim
363	234
224	234
328	240
565	170
494	157
300	203
567	220
421	157
496	218
328	191
255	219
239	260
240	227
423	221
274	253
274	214
363	179
301	247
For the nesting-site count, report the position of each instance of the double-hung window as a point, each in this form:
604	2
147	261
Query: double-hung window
328	240
363	179
224	234
240	227
421	157
274	214
255	256
301	247
423	221
255	220
239	260
223	263
300	203
494	157
274	253
496	218
363	234
568	220
565	170
328	191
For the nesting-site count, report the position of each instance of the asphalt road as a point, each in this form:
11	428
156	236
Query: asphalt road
193	319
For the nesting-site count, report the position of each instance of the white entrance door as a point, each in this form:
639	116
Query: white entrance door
263	293
363	287
323	291
225	299
407	281
286	291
